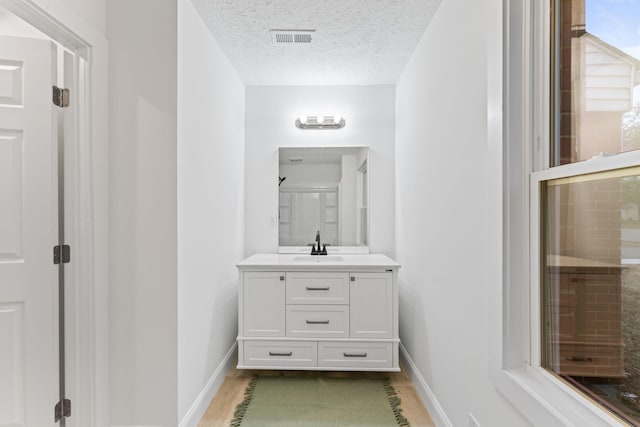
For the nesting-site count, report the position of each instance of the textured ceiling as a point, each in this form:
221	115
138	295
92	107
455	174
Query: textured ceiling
356	42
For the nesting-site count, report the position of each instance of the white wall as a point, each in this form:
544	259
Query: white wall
143	212
270	115
210	205
309	174
448	209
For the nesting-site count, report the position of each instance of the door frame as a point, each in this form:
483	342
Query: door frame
86	209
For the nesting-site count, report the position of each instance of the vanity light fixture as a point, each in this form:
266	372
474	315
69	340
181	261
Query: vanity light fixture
320	122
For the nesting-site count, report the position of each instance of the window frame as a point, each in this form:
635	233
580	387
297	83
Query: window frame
516	367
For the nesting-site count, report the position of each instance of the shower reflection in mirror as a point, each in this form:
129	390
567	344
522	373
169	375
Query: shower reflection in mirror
326	190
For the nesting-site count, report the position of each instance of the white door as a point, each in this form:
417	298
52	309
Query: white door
28	232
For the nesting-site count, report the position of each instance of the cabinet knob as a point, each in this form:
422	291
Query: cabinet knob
282	278
353	278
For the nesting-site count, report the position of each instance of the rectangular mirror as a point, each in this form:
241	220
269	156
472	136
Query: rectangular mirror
323	189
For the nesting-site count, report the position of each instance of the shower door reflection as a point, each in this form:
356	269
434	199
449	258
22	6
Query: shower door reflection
303	211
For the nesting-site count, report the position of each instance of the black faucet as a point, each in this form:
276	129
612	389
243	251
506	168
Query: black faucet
318	251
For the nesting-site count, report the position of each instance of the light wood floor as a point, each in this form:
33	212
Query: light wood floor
220	410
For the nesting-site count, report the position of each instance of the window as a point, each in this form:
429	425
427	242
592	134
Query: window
596	51
589	205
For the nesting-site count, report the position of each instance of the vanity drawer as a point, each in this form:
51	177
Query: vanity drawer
317	288
591	359
318	321
355	354
281	353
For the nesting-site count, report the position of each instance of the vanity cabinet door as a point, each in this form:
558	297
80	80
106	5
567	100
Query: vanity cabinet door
371	310
263	304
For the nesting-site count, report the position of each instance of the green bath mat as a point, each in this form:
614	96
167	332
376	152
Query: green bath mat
318	402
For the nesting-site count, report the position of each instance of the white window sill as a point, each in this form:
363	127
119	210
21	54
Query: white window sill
547	401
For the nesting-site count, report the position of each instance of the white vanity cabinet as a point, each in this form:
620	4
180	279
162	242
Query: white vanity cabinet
318	314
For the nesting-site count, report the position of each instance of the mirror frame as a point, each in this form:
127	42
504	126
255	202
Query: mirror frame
363	249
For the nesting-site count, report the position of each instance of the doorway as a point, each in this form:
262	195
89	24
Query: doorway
46	207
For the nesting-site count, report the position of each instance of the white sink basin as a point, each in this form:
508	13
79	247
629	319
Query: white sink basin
318	258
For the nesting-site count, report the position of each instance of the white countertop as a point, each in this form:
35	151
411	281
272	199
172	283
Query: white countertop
319	261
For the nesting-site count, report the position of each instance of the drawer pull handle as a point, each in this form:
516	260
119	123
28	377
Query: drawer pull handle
312	288
275	353
579	359
355	354
317	322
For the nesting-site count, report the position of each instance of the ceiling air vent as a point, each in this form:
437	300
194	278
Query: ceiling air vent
291	36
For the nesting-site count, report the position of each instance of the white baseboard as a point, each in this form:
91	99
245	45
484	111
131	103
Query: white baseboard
199	406
429	400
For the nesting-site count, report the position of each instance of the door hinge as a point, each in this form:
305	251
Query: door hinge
62	409
61	254
60	97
